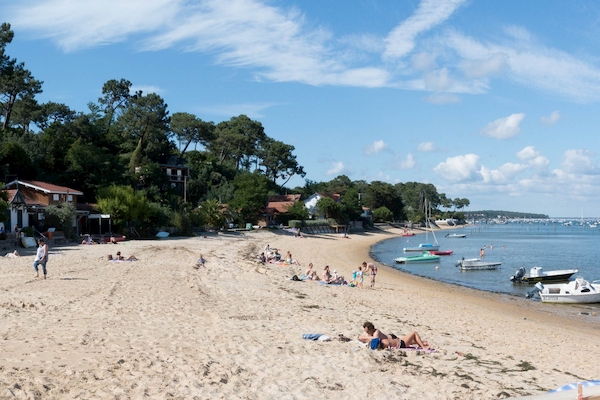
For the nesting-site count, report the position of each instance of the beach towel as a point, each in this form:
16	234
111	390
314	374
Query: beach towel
316	336
573	386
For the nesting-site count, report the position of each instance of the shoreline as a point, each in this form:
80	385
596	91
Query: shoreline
159	327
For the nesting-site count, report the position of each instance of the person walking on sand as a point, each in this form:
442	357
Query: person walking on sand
373	270
41	258
360	277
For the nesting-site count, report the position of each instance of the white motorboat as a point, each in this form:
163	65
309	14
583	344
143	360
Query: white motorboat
456	235
477	264
578	291
537	274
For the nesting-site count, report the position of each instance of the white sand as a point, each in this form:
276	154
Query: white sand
161	329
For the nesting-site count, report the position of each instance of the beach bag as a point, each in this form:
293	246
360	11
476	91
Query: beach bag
295	278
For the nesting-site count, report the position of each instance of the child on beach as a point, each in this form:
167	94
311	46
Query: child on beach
200	262
360	277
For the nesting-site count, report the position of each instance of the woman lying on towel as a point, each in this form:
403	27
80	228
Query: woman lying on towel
399	343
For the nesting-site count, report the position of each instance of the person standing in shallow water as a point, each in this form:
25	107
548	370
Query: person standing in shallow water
41	258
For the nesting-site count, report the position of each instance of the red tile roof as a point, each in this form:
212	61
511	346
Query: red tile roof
46	187
281	203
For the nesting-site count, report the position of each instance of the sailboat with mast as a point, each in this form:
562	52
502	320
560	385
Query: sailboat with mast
426	246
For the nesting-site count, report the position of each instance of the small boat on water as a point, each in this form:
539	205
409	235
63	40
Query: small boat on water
425	257
477	264
456	235
537	274
408	234
442	252
578	291
423	247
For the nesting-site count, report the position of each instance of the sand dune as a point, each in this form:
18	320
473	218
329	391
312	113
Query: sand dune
160	328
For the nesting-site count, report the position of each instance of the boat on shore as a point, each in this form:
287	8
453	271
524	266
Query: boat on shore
477	264
456	235
578	291
425	257
537	274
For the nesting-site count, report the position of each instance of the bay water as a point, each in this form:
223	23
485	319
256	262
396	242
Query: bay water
552	246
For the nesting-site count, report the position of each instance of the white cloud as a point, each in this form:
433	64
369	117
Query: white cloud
146	89
460	168
423	61
533	158
553	118
528	153
531	64
579	162
408	163
252	110
442	98
338	168
430	13
495	64
504	128
376	147
426	147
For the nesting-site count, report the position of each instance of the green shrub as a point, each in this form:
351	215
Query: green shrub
28	231
294	223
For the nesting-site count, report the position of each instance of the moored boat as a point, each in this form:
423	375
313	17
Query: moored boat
578	291
476	264
537	274
423	247
456	235
425	257
442	252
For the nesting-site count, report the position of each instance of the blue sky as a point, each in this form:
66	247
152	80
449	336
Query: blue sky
494	101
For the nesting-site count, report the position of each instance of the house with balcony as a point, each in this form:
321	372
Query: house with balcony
28	200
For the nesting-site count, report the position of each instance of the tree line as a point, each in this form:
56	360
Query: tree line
114	152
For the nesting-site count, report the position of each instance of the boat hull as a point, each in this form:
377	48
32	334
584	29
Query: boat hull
442	252
456	236
548	278
578	291
471	265
422	247
422	259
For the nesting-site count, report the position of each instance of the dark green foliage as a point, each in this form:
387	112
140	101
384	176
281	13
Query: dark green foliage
64	214
382	214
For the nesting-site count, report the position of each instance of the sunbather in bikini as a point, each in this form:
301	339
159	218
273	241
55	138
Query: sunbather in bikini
371	332
399	343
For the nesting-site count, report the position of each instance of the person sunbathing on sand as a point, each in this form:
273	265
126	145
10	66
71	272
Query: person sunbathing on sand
119	257
309	270
399	343
371	332
14	254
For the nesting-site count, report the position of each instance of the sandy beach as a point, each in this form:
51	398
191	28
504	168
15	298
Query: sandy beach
160	328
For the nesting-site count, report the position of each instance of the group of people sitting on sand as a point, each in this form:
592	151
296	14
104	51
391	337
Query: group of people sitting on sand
119	257
334	278
327	276
89	240
272	256
378	340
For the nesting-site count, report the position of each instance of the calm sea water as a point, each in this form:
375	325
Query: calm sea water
552	246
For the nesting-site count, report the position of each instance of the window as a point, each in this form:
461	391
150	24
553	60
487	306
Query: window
55	197
69	197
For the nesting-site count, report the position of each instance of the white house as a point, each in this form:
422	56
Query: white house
311	203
